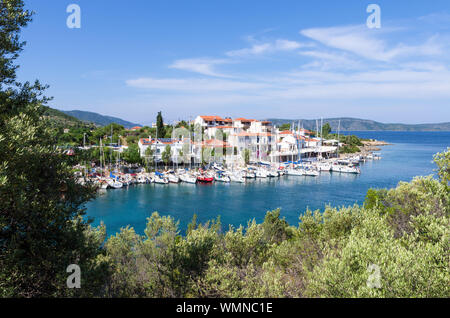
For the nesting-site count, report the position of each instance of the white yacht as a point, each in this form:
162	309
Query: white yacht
261	173
235	177
295	172
173	178
220	177
159	178
273	173
311	172
345	169
188	178
324	166
114	184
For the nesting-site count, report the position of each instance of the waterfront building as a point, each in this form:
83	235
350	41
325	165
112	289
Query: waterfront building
264	141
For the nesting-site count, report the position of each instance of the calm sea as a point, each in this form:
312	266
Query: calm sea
410	155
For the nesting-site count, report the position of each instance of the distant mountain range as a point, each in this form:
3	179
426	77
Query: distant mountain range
100	120
75	117
356	124
60	118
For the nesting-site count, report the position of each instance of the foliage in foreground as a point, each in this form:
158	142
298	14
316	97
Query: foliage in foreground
403	233
42	229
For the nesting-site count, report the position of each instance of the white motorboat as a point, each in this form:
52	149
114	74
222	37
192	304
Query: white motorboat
221	178
142	179
160	179
273	173
186	177
173	178
295	172
261	173
311	172
237	178
345	169
114	184
324	166
249	175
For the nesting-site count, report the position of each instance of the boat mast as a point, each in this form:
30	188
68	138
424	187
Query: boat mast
321	137
190	145
299	144
101	159
339	128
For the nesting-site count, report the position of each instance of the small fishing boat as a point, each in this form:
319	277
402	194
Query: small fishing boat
159	178
142	179
114	184
205	178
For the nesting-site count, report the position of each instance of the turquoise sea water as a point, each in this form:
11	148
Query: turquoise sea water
410	155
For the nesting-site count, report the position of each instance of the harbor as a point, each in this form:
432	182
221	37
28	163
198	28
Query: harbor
237	203
219	173
216	149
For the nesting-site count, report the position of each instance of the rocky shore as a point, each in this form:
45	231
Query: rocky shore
368	147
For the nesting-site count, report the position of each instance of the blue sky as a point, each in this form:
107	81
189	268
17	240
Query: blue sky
258	59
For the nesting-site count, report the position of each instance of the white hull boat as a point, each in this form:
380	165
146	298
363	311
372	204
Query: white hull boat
311	173
273	173
237	178
161	180
222	178
188	178
115	184
173	178
346	169
261	174
295	172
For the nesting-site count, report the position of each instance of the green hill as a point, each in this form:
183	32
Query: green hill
100	120
356	124
60	119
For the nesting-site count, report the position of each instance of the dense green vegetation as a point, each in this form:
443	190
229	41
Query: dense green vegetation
402	232
99	120
42	229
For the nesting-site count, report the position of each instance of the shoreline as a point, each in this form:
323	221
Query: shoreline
369	146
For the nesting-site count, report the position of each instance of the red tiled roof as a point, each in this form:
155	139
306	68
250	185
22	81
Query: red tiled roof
210	118
245	120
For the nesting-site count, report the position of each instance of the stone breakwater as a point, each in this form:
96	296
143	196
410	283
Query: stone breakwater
373	145
368	147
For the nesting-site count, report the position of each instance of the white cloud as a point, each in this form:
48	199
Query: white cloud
268	47
323	60
201	66
345	65
367	43
192	84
